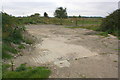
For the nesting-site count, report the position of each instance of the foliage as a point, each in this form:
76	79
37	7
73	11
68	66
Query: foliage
7	48
22	67
45	14
103	34
111	23
60	13
13	30
27	72
21	46
6	56
35	15
28	41
12	33
5	67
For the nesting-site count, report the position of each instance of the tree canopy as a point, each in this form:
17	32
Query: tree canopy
60	12
111	23
35	15
45	14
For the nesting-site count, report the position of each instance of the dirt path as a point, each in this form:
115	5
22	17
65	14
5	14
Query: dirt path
73	53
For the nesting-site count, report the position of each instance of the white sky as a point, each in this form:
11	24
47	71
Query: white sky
74	7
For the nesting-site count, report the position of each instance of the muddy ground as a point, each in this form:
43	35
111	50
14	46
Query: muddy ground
72	53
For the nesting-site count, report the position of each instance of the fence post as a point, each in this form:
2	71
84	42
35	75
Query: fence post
12	65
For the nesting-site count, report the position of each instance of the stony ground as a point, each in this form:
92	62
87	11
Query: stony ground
72	53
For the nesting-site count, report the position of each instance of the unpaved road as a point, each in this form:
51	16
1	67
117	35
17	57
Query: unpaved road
72	53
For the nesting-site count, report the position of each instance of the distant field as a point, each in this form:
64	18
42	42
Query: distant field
73	21
68	21
87	23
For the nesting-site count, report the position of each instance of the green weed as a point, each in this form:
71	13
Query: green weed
103	34
21	46
28	41
28	72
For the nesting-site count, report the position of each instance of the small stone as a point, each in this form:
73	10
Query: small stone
63	63
60	63
68	59
15	56
76	59
85	57
54	68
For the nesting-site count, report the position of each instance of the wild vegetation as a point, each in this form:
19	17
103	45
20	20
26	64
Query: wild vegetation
110	24
25	72
12	35
13	32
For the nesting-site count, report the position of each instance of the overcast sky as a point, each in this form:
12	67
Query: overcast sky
74	7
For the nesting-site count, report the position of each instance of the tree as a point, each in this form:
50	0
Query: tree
60	13
35	15
45	14
79	16
110	23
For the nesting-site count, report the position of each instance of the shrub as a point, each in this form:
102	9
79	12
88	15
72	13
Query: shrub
12	33
21	46
5	67
28	41
111	22
8	48
22	67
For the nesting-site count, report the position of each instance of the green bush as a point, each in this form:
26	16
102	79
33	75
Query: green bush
5	67
111	23
6	56
10	29
12	33
22	67
21	46
28	41
8	48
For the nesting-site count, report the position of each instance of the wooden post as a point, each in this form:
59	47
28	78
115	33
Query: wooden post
76	21
82	21
12	65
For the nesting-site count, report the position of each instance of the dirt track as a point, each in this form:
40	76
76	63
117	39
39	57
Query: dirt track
72	53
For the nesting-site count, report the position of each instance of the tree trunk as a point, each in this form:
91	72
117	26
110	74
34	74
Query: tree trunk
12	66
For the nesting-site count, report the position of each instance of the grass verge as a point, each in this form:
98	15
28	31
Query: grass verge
26	72
91	27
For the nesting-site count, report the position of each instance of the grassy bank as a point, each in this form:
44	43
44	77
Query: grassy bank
14	34
25	72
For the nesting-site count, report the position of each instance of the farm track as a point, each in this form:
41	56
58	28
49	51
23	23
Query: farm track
72	53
